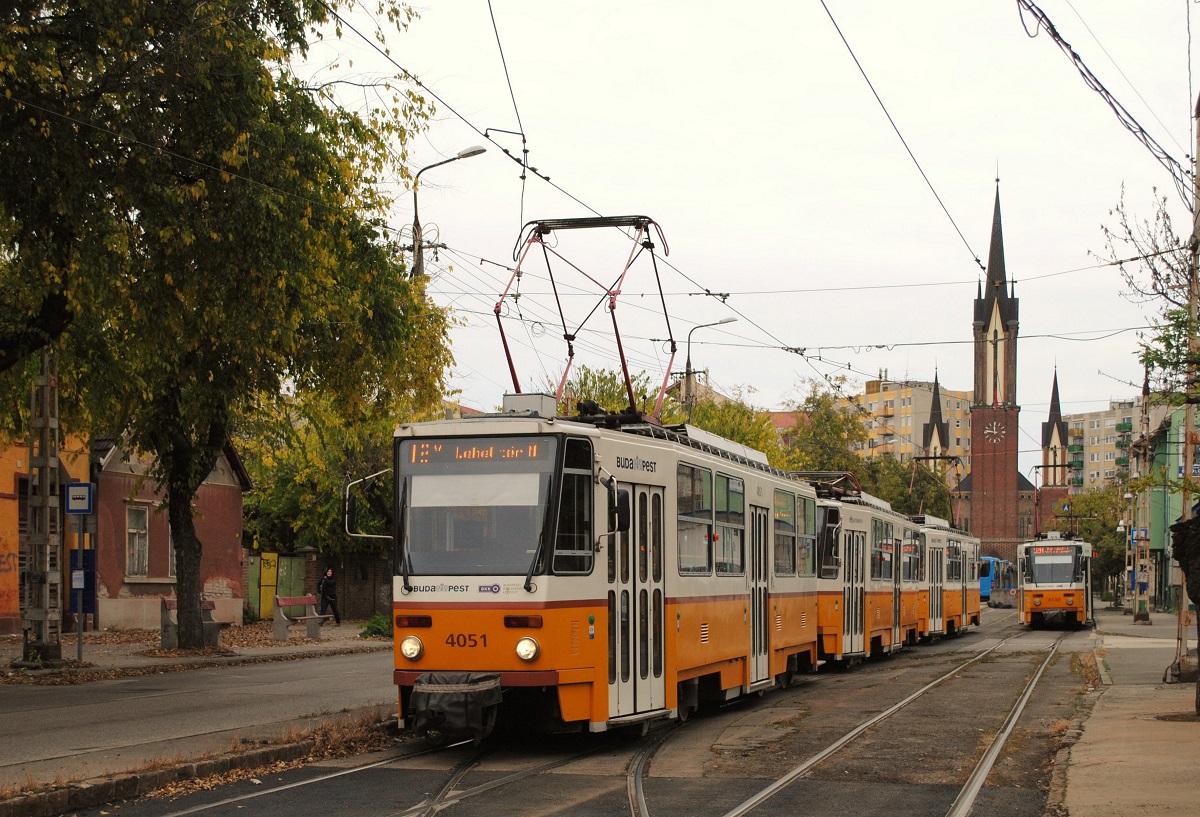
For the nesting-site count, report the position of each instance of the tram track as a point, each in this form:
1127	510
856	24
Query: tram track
970	790
488	779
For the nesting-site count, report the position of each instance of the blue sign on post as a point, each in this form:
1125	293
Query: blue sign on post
79	498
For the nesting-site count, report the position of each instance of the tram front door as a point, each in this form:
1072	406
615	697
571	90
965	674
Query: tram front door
635	608
937	578
760	634
854	592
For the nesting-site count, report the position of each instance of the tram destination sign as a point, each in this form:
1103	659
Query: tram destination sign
477	449
1049	550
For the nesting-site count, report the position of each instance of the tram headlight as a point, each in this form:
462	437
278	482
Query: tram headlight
1037	602
527	649
411	647
1070	600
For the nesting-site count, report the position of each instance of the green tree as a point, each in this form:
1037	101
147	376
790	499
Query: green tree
300	456
826	434
197	232
742	423
911	488
606	388
1093	516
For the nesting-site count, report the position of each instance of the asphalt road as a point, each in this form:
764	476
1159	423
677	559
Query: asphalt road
86	730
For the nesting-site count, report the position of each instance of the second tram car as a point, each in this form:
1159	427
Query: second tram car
953	564
1054	581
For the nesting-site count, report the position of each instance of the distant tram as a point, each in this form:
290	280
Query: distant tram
1055	580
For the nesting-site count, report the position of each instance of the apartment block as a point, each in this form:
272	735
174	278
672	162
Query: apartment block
1098	442
896	414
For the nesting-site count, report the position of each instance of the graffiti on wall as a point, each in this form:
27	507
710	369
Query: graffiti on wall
10	597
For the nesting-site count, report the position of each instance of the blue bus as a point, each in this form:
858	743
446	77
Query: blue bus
997	582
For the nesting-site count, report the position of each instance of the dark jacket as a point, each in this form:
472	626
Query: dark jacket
327	587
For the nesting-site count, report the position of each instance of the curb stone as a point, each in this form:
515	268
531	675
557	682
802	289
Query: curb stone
1056	797
100	790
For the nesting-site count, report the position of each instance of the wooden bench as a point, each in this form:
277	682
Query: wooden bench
311	618
169	626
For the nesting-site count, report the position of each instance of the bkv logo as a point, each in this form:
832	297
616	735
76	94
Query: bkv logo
489	588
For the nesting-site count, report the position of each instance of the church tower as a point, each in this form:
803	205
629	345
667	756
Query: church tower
995	480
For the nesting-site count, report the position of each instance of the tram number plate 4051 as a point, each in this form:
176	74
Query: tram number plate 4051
466	640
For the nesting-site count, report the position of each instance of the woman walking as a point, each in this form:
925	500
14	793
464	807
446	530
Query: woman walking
327	590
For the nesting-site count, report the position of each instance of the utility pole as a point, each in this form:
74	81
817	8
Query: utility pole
1141	514
1189	412
41	544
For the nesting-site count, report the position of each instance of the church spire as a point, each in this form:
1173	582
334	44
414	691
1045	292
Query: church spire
935	426
1055	419
995	265
996	288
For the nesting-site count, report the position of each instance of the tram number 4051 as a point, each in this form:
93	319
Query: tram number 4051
466	640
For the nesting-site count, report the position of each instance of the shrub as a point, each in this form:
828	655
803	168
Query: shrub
378	626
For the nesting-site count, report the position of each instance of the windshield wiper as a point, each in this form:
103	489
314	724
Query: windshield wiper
537	553
401	530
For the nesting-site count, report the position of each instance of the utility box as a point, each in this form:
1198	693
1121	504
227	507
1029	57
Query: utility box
534	404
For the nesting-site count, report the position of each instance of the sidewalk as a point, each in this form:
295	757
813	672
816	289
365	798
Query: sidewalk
117	751
106	653
1137	751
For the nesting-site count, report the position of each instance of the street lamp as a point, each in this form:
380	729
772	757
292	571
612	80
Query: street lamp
418	245
689	397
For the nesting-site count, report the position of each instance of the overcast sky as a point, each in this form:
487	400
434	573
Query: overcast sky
748	133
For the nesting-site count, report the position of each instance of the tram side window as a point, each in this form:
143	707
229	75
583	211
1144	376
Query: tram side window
785	534
806	544
573	544
881	549
954	561
731	525
910	564
695	520
829	522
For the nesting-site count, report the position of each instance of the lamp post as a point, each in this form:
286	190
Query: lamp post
1129	567
418	245
689	397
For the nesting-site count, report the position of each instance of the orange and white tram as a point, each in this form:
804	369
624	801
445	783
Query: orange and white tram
869	582
586	574
952	577
1054	580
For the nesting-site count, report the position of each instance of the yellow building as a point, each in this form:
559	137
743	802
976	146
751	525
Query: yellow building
14	473
904	420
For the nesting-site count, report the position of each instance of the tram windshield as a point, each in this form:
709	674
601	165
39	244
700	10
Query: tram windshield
474	506
1053	564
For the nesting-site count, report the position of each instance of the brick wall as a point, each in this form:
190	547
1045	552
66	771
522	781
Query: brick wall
364	583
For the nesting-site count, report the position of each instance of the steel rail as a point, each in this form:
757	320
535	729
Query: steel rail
319	779
635	771
779	785
965	801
